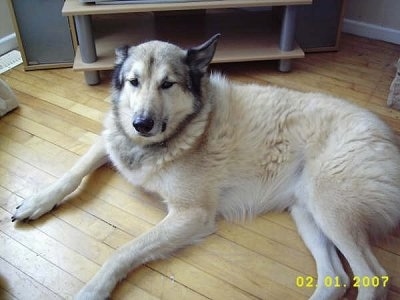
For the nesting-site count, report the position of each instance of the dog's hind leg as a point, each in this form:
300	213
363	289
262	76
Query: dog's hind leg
345	212
179	228
48	198
329	266
345	224
357	250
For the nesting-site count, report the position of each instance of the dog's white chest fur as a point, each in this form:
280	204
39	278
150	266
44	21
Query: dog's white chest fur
125	156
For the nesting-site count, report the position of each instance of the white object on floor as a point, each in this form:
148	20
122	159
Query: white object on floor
10	60
8	101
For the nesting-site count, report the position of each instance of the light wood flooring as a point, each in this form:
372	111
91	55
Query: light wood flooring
58	119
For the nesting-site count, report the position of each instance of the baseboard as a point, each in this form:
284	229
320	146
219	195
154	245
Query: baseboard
8	43
371	31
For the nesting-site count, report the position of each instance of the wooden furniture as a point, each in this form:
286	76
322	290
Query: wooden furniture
246	34
44	36
319	26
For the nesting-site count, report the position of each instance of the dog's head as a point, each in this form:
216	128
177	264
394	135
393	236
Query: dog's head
157	88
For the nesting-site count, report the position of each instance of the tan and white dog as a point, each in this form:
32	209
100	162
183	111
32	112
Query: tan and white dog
212	147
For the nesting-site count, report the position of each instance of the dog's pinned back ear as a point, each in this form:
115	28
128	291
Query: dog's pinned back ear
198	58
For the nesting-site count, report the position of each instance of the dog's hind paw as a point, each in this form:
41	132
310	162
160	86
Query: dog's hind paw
34	207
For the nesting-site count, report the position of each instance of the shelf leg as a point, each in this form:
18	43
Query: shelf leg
92	77
87	46
287	36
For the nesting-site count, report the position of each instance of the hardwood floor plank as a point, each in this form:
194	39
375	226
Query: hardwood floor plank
30	152
38	268
241	268
54	111
76	92
19	285
300	261
48	248
201	280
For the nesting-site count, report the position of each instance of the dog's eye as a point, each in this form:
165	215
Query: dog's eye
167	84
134	82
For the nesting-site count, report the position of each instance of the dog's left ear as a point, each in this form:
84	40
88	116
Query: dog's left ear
121	54
198	58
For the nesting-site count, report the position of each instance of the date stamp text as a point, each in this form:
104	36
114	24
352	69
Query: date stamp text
335	281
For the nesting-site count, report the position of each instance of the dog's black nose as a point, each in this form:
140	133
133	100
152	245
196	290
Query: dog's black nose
143	125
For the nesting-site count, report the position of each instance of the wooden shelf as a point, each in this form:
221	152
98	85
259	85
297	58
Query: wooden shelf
75	7
246	35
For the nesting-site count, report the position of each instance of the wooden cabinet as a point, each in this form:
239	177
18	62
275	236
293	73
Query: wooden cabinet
248	34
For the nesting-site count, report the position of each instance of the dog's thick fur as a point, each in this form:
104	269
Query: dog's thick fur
212	147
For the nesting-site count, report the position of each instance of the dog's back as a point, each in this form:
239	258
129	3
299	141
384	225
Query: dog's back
263	132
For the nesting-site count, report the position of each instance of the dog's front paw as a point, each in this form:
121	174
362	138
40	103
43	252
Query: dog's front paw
35	206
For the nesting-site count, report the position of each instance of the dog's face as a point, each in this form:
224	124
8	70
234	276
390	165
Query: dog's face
157	88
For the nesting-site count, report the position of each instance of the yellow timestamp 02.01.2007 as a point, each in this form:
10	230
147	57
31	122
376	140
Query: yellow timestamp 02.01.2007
335	281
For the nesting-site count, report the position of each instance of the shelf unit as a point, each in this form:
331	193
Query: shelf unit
247	34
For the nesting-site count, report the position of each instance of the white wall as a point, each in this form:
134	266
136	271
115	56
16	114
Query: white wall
7	36
377	19
6	26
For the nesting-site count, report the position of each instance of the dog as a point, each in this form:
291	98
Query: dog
211	147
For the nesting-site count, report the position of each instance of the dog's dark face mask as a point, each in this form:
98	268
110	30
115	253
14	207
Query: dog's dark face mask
157	88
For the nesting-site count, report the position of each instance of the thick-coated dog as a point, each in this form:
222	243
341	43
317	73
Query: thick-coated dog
212	147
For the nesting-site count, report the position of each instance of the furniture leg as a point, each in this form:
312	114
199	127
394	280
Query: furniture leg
87	46
287	36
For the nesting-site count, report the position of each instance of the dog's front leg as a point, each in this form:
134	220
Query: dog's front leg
178	229
46	199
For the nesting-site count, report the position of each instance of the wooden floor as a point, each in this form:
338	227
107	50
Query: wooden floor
58	119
